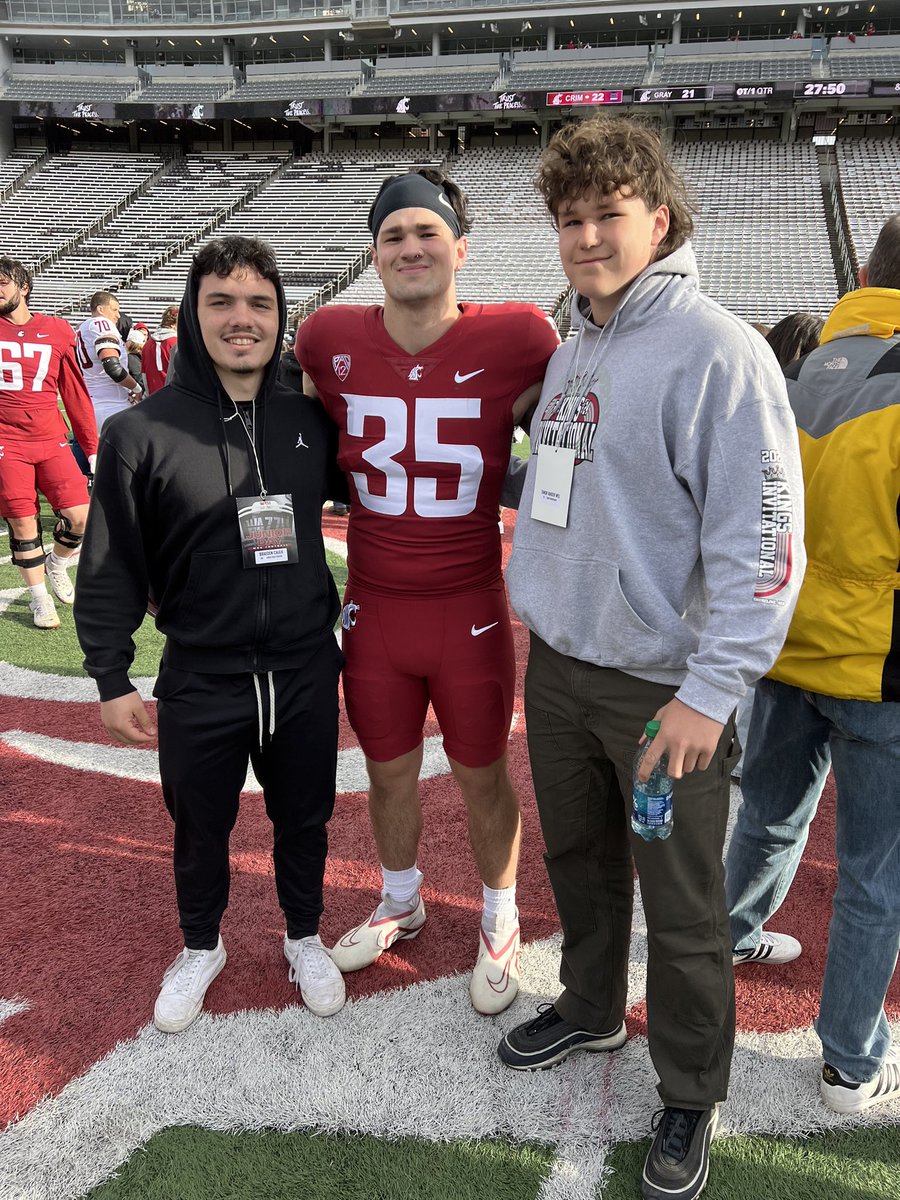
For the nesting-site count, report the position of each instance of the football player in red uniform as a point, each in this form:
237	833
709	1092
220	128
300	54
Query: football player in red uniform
37	363
426	393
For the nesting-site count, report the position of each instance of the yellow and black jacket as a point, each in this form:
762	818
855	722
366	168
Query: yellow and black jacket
844	639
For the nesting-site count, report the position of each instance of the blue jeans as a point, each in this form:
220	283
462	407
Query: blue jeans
794	737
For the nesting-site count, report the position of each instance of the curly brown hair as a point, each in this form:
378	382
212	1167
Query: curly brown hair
607	154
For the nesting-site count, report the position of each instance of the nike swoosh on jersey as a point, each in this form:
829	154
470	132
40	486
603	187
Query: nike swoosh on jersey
471	375
483	629
43	335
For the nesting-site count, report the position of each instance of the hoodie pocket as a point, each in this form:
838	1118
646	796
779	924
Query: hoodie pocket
579	607
220	601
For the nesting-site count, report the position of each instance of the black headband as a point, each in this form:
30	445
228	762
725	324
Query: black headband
413	191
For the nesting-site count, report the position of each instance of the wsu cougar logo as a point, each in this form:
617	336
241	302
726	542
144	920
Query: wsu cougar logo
341	364
348	614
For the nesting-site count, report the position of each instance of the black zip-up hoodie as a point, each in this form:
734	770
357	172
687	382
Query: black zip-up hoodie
163	526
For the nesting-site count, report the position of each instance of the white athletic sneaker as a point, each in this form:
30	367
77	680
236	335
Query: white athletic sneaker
843	1096
320	982
44	612
184	985
495	980
773	948
361	946
57	571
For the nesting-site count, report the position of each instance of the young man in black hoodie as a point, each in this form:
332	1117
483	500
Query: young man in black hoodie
208	502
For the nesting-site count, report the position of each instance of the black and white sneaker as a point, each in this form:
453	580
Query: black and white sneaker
548	1039
678	1161
773	948
842	1095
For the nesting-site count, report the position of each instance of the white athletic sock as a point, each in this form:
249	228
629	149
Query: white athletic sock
499	904
38	590
401	885
57	561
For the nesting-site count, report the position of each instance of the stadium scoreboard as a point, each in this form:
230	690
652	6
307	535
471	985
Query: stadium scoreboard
415	106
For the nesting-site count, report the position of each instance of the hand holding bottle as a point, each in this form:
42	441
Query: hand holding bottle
687	736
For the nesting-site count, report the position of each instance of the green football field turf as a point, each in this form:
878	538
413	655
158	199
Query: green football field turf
194	1164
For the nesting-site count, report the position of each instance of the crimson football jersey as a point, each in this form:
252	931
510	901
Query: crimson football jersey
425	438
37	363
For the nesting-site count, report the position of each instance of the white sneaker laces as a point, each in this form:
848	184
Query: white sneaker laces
312	961
182	975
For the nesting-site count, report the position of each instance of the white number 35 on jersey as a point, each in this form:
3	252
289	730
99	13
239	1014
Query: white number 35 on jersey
427	448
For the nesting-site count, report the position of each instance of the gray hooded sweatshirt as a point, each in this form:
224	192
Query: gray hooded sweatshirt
683	555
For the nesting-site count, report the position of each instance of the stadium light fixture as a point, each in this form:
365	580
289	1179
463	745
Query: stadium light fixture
273	38
171	43
659	16
571	23
197	42
740	13
413	32
449	28
612	20
66	40
105	42
305	38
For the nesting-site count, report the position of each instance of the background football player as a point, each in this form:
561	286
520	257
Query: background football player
37	364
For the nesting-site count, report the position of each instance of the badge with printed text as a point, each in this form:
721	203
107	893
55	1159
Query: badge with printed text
268	538
553	485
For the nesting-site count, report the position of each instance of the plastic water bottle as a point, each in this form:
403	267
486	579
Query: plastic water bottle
651	802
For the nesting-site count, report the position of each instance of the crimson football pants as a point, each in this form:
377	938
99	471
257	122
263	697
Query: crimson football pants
210	727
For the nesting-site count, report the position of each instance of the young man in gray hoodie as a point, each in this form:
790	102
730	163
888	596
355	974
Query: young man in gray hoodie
656	561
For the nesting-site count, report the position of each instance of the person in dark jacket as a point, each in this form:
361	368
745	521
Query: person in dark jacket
207	501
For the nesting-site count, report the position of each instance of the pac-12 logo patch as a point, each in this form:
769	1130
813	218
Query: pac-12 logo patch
341	364
348	614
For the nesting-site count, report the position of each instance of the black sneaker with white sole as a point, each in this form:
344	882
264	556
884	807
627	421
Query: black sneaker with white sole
548	1039
677	1164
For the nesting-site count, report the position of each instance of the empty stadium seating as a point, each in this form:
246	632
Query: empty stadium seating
862	65
21	85
176	208
596	74
735	68
430	80
761	239
184	91
310	86
67	195
14	166
870	180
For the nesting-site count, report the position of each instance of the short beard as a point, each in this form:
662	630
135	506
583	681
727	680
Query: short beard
8	306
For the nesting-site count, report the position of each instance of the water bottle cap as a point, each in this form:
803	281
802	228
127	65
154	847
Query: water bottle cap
651	729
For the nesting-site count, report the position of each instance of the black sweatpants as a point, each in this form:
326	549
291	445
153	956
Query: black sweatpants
210	727
583	724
